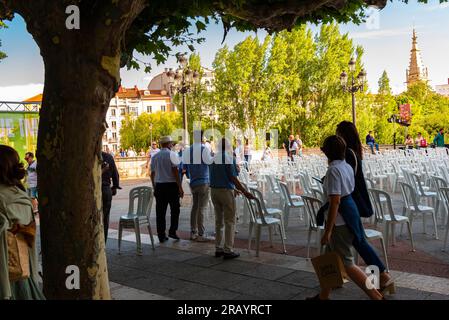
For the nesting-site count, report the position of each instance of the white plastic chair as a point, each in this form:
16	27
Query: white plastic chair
445	193
259	220
412	206
432	196
385	215
137	215
289	202
439	184
269	212
312	205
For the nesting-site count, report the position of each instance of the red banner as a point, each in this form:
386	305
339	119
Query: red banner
405	112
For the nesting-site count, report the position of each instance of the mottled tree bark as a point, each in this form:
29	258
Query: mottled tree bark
81	76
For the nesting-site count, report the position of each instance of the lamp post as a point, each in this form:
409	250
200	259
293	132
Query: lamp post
213	116
181	81
356	84
151	133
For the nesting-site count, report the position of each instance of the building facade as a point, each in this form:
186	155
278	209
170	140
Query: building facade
443	89
133	102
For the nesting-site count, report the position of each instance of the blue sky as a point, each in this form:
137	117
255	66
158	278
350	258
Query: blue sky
386	40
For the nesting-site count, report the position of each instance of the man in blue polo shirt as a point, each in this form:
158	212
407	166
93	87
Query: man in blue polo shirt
223	182
196	160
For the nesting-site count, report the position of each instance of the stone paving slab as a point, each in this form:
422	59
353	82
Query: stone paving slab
207	277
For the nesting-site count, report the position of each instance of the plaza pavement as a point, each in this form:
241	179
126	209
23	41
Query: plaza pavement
188	270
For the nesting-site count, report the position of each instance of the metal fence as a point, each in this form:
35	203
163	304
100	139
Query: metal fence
11	106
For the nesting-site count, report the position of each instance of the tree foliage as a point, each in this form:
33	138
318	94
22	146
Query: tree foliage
136	134
2	54
289	81
430	111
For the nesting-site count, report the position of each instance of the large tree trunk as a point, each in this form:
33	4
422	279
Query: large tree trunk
81	76
69	149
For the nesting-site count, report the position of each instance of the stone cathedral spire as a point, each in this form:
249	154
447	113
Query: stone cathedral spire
416	70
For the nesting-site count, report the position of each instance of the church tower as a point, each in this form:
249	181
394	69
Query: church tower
416	70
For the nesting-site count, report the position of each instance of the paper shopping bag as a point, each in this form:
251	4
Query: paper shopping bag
329	270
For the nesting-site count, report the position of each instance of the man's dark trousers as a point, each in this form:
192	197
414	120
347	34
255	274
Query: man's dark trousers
107	201
167	194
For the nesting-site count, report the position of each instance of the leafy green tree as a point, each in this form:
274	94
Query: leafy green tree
135	133
2	54
384	84
429	109
240	80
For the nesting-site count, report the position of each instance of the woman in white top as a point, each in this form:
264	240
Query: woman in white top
338	185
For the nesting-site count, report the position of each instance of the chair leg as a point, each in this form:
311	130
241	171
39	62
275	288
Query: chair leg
409	226
139	244
282	239
445	237
308	242
258	230
424	223
287	214
271	236
385	252
387	234
250	236
120	231
435	225
393	240
151	235
283	234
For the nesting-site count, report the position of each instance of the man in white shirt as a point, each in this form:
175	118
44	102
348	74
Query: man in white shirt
151	153
167	188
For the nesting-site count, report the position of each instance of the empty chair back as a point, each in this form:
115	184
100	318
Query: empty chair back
286	193
312	206
381	209
140	201
409	195
318	194
272	185
259	196
445	194
255	210
416	182
439	182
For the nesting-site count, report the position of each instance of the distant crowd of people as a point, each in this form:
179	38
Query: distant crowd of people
410	143
208	171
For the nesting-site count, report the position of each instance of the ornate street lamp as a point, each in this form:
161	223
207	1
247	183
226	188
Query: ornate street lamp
181	81
356	84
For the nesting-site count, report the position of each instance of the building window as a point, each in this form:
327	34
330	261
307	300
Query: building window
114	135
163	108
114	147
122	111
149	109
114	124
113	112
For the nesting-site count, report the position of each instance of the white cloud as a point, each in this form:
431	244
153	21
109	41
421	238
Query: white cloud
381	33
20	92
